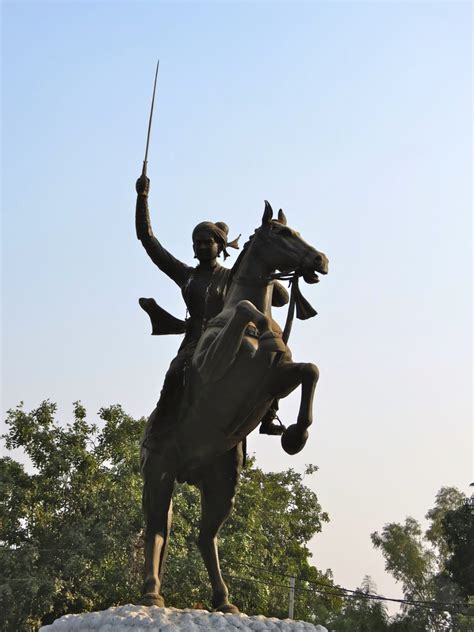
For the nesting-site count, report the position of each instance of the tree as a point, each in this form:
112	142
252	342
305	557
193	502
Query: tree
421	562
458	528
361	613
71	531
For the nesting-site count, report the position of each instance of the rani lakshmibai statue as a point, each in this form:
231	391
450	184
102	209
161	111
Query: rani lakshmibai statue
230	371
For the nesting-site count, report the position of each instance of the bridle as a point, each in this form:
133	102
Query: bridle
298	303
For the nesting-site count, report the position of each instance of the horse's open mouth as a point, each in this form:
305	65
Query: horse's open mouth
310	277
313	266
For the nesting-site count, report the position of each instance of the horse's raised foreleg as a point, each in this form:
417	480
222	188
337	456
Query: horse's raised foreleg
217	499
213	363
157	507
286	377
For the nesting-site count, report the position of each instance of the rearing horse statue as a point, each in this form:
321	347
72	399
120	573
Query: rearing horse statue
241	364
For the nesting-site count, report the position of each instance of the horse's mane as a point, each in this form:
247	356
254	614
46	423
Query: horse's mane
239	260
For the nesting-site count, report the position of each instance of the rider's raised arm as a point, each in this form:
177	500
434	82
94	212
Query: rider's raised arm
175	269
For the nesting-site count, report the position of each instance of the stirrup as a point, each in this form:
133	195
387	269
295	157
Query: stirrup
268	427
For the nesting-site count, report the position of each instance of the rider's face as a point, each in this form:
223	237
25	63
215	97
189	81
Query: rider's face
205	246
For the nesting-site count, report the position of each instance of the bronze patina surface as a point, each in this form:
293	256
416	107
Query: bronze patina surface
232	367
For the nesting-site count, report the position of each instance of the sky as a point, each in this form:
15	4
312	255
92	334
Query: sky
356	119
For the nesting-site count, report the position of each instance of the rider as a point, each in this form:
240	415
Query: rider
203	289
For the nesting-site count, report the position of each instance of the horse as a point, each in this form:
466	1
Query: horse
240	365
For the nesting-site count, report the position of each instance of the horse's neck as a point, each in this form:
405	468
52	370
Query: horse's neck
251	283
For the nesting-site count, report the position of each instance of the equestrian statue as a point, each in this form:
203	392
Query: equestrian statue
232	368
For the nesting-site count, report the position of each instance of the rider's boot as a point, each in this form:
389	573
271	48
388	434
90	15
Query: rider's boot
268	425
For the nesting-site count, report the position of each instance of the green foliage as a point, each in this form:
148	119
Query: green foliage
458	527
70	529
447	499
421	562
71	534
406	558
360	613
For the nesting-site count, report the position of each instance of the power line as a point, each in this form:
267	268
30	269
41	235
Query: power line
348	592
334	589
419	604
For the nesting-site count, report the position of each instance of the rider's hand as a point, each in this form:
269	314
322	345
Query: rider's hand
143	185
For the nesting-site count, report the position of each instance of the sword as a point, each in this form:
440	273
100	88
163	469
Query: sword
145	162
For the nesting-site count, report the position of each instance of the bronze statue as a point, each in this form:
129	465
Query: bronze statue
203	289
231	369
233	364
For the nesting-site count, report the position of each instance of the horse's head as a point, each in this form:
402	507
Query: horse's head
286	250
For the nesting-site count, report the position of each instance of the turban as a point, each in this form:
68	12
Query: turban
219	231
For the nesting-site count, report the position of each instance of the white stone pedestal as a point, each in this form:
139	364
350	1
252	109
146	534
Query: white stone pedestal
154	619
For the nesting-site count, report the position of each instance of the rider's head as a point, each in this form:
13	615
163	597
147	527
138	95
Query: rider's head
210	239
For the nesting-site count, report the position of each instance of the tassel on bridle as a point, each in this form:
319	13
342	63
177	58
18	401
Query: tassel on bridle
303	307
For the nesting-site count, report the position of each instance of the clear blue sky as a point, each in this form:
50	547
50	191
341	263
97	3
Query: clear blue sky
356	118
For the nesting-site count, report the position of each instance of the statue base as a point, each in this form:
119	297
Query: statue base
154	619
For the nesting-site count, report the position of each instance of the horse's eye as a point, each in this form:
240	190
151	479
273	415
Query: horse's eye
285	232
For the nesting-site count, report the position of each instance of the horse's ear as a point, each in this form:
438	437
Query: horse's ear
282	217
267	214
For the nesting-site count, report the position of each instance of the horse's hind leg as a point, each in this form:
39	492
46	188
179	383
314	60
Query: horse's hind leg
217	499
157	507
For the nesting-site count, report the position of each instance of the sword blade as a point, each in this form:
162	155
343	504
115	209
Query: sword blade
145	161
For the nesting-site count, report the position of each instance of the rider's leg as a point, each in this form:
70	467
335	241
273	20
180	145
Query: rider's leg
164	415
173	386
218	486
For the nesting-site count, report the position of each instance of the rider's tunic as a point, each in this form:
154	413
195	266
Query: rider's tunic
203	292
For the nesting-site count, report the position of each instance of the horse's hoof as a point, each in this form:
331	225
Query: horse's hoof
152	599
294	439
270	341
228	608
